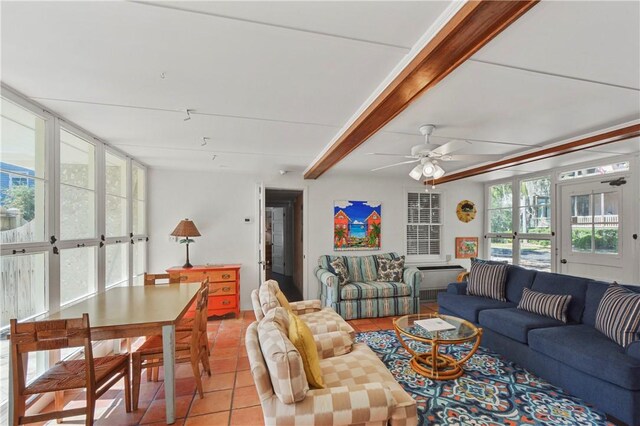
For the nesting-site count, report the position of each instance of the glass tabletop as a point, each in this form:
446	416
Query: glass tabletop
463	330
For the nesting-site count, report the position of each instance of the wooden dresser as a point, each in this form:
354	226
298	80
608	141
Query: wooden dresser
224	285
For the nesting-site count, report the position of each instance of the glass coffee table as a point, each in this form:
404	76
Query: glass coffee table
434	364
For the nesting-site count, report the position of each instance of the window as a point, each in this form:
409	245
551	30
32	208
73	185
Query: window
424	224
139	226
23	180
606	169
595	222
77	187
116	195
520	234
61	189
500	219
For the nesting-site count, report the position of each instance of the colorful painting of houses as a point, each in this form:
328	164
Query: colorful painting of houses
357	225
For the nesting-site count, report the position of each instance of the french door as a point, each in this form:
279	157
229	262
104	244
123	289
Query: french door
593	231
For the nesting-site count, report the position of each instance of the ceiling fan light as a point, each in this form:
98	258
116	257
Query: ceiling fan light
439	172
416	172
428	168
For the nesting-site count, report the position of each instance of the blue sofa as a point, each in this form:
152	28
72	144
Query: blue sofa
574	356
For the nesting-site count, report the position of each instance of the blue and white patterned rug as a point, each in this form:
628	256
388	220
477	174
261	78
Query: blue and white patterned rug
492	390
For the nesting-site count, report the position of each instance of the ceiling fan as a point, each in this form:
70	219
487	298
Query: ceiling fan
429	156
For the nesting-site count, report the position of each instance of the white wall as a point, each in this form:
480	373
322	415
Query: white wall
219	202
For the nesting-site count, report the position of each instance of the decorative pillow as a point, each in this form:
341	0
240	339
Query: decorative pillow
340	270
549	305
284	362
301	337
282	299
390	270
487	280
618	315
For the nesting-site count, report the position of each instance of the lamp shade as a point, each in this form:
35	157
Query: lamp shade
416	173
186	228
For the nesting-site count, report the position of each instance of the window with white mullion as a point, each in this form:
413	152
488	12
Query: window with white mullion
423	224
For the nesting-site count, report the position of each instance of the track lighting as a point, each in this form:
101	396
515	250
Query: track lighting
204	141
188	112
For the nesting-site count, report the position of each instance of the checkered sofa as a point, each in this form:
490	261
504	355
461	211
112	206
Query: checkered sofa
358	387
364	296
319	319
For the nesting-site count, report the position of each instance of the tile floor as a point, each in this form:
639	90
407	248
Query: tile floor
230	396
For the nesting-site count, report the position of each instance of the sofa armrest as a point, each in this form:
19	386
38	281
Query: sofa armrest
633	350
326	277
305	306
413	277
457	288
334	343
345	405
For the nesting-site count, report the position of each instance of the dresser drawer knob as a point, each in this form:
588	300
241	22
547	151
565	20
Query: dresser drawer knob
226	276
225	302
226	289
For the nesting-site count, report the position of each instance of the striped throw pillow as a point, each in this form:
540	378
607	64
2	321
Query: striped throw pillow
487	280
618	315
549	305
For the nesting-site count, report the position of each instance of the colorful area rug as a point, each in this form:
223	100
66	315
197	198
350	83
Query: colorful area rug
492	391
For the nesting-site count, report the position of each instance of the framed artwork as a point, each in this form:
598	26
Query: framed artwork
466	247
357	225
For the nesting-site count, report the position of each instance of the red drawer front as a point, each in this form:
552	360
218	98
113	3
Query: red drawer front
222	302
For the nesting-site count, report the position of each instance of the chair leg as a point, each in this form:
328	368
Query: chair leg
19	408
195	366
205	363
127	389
91	407
59	403
136	373
155	372
149	374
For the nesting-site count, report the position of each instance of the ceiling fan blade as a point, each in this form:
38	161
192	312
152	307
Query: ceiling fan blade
451	146
393	165
476	158
390	155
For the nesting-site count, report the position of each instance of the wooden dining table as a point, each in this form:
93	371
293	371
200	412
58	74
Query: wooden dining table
123	312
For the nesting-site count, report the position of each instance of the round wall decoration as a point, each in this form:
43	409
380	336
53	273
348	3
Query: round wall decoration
466	211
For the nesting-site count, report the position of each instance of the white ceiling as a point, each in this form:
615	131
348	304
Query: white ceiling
272	83
559	72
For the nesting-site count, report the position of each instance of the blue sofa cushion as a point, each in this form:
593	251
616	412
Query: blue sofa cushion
374	290
517	279
546	282
468	307
584	348
514	323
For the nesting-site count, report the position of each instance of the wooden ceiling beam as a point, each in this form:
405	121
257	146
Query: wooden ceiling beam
554	151
472	27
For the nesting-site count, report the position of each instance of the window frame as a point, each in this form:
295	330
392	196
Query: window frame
515	234
424	258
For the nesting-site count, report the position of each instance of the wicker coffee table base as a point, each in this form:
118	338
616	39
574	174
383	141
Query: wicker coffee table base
436	365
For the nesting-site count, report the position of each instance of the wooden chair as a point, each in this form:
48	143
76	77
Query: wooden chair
190	347
97	375
153	279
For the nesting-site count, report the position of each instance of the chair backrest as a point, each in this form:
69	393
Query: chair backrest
153	279
38	336
199	328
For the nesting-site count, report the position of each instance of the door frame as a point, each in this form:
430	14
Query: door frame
259	227
631	224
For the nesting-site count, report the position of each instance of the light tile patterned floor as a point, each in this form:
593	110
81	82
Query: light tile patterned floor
230	395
